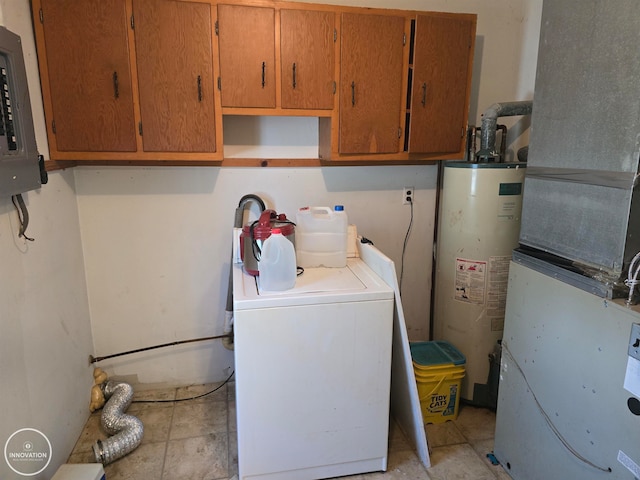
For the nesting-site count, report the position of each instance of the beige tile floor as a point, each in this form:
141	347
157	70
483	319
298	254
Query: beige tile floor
196	440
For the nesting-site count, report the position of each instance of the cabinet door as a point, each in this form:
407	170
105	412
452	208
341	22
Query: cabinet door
307	51
440	78
89	75
370	83
247	56
175	75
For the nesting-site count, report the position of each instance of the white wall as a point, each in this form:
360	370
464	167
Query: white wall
157	245
45	336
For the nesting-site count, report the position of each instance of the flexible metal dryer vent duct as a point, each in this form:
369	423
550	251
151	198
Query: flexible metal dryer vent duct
127	430
489	122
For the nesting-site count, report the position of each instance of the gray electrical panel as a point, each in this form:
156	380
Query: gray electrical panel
19	165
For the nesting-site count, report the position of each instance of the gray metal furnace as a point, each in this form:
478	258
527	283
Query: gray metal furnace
569	393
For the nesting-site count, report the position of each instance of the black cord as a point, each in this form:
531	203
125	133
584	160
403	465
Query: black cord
404	247
23	215
190	398
255	248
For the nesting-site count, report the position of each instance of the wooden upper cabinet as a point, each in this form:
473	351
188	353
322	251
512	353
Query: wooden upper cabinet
89	78
175	75
439	99
371	78
246	37
307	50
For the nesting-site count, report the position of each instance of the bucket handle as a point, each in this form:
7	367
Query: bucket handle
265	218
434	389
319	212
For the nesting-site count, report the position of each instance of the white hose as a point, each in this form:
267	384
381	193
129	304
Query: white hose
632	277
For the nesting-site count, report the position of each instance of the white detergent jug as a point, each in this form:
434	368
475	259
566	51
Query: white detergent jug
321	237
277	264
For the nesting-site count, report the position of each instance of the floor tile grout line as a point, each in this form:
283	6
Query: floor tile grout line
166	444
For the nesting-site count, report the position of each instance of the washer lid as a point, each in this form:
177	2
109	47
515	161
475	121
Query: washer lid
355	282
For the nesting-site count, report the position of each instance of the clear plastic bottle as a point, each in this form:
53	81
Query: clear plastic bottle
321	236
277	264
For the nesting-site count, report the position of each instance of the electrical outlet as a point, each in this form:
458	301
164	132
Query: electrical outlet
407	195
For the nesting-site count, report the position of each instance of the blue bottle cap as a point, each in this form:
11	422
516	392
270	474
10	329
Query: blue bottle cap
339	208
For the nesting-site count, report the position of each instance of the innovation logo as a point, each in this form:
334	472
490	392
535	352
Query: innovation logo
27	452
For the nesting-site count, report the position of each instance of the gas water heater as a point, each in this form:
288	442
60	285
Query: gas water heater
479	225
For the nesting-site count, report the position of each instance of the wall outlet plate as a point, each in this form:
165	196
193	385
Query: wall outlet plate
634	341
407	195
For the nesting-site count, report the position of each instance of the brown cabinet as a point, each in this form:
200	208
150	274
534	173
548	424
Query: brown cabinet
175	75
250	52
147	81
128	80
89	93
439	96
246	36
371	79
307	51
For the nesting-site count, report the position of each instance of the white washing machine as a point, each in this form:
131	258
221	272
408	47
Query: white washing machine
313	371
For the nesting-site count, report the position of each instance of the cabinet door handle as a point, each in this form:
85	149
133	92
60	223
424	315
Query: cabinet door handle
264	67
353	94
424	94
116	88
199	88
294	75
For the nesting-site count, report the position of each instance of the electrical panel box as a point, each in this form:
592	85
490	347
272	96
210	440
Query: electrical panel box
19	164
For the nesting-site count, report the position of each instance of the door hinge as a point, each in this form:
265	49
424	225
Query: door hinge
53	126
140	128
335	86
41	15
404	39
462	134
216	28
219	84
399	132
335	35
132	23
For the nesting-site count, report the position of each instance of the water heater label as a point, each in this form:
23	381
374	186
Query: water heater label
471	279
510	189
497	290
509	201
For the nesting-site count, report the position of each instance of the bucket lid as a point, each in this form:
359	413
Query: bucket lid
437	352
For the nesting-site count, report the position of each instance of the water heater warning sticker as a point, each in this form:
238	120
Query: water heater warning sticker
471	279
497	290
